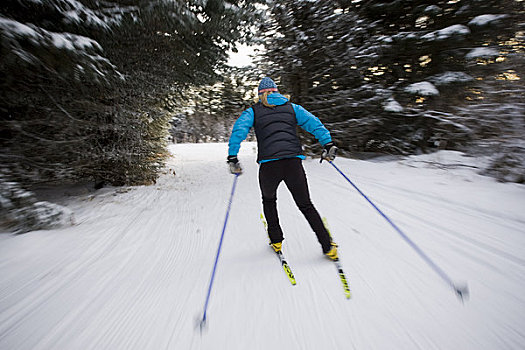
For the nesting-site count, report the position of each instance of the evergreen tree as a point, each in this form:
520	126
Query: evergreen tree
393	76
88	86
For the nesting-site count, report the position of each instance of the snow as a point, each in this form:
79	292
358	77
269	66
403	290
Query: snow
72	41
21	212
78	13
448	32
442	118
423	88
484	20
12	28
403	36
78	45
40	36
385	38
392	105
484	52
244	55
133	273
447	78
432	9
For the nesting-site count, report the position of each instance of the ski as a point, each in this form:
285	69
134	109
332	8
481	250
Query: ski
286	268
284	263
339	267
342	276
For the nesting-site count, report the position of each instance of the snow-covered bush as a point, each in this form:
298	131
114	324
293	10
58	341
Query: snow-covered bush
432	10
453	31
482	52
423	88
507	167
448	78
392	105
20	211
484	20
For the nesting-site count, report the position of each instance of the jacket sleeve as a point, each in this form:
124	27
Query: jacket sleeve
312	124
240	131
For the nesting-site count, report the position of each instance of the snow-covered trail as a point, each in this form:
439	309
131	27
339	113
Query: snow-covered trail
133	273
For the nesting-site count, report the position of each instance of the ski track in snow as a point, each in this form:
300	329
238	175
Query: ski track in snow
133	274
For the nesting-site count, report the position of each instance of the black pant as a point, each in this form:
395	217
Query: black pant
291	171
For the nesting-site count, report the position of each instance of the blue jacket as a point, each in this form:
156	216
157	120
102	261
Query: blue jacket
305	120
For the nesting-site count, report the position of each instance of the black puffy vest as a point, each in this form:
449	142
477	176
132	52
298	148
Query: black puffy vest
276	131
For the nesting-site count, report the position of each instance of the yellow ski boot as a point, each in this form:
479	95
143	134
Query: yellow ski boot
332	253
277	246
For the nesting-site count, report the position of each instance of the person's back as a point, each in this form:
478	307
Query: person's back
276	131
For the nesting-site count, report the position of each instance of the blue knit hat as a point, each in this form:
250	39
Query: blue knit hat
267	84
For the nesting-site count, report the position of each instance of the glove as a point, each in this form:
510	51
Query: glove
329	152
235	166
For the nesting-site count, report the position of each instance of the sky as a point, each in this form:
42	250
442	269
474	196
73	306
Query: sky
242	57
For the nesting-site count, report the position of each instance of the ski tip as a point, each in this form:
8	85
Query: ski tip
462	291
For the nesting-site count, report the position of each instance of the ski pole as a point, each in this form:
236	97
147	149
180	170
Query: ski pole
461	291
203	321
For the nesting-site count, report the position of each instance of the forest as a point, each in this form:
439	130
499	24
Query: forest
94	91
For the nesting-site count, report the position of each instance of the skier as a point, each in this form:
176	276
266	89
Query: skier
279	156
